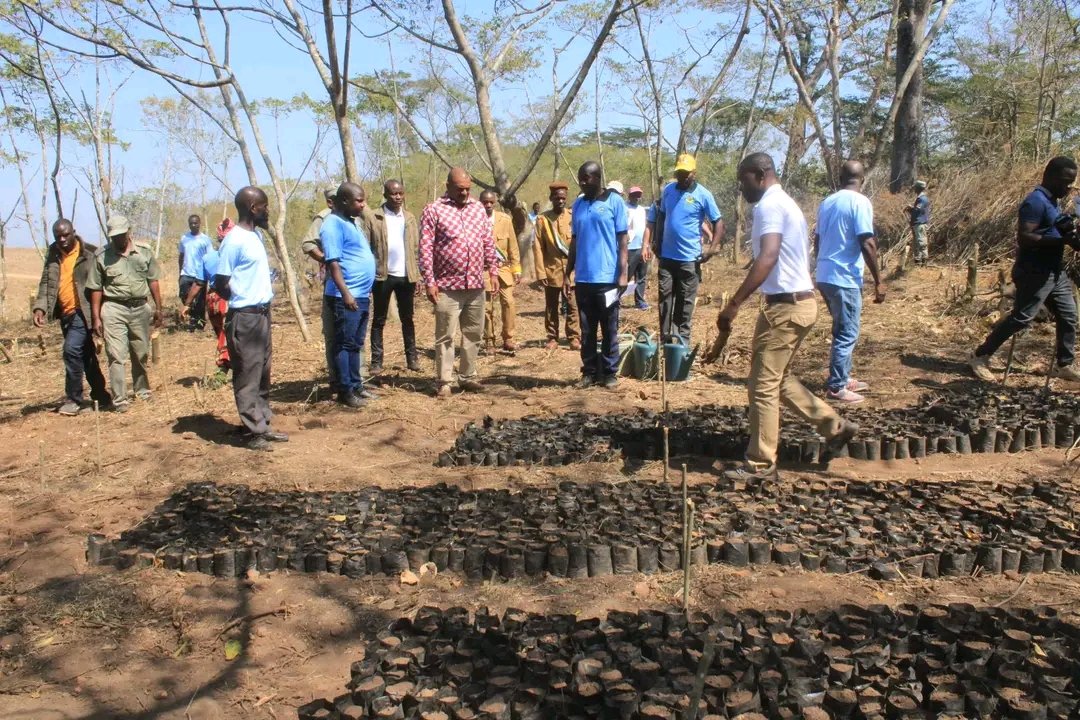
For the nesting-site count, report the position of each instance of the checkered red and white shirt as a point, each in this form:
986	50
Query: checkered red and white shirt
456	245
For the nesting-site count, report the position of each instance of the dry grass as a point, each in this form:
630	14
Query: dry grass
969	208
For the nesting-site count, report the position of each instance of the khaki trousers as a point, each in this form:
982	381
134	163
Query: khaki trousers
508	309
454	309
781	329
127	336
553	299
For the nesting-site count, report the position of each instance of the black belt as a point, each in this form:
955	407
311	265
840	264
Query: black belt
129	302
263	309
789	298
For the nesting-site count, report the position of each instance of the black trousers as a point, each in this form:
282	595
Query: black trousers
599	321
1035	287
678	283
403	292
637	270
197	314
250	351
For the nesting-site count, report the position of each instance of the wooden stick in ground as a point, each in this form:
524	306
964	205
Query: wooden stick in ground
41	463
663	378
7	355
666	457
704	664
686	517
1009	361
97	435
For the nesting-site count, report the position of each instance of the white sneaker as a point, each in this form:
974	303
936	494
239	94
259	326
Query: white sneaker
980	365
1065	372
857	386
843	395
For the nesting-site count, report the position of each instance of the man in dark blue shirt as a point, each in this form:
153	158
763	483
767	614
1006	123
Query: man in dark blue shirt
919	216
1039	275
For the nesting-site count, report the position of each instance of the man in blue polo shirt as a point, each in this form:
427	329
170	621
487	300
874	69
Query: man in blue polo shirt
194	244
684	206
845	246
350	273
597	262
1038	273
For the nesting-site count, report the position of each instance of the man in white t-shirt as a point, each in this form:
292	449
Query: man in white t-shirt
638	262
781	269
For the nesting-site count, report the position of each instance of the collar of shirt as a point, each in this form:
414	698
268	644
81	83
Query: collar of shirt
771	190
387	211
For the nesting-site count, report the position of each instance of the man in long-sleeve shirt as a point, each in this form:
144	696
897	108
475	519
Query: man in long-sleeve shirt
456	251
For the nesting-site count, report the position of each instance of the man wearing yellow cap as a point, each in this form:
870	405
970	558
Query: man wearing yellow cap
683	207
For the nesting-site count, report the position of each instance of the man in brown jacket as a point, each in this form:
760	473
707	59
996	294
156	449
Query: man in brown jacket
394	237
550	253
506	247
62	296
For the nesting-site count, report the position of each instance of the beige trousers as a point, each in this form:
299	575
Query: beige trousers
504	298
454	309
127	337
781	329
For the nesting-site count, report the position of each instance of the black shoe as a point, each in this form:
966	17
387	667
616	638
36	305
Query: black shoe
587	381
260	443
746	475
611	382
413	364
843	436
365	394
273	436
351	401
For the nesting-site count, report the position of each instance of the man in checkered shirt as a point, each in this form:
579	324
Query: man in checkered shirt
456	251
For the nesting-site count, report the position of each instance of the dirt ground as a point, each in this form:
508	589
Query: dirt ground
80	642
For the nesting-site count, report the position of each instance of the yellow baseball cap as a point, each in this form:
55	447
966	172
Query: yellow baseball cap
686	163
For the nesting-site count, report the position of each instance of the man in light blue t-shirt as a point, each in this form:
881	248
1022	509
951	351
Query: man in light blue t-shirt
685	206
597	262
193	246
350	273
845	245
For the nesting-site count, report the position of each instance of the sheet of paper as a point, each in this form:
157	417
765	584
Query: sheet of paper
611	297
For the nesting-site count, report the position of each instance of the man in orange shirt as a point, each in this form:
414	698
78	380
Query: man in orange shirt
61	294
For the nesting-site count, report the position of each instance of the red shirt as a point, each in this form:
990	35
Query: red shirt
456	245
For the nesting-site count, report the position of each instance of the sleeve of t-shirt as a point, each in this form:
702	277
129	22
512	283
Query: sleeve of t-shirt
711	208
864	218
1033	212
229	258
330	234
650	214
771	219
153	269
618	211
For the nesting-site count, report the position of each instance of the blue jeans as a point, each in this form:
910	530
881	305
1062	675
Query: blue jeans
79	359
350	329
596	315
845	306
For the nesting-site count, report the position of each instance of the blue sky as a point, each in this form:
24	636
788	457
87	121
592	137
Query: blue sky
268	67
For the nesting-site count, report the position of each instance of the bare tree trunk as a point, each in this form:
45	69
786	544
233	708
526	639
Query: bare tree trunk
596	123
166	171
24	188
907	138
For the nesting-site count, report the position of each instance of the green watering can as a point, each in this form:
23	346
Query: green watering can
641	362
678	359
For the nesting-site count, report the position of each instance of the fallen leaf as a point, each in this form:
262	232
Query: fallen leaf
337	518
45	641
408	577
232	649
